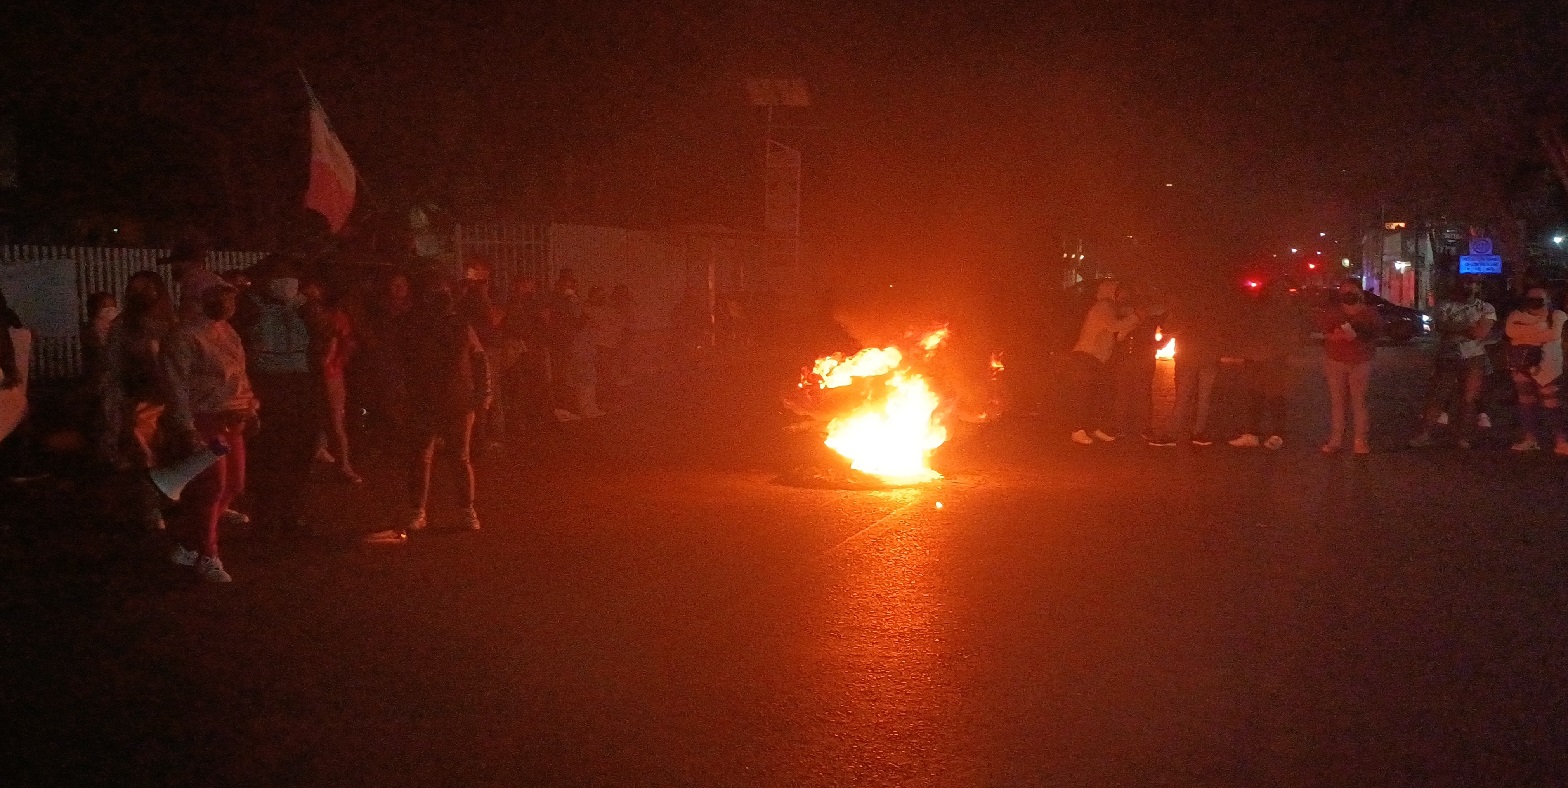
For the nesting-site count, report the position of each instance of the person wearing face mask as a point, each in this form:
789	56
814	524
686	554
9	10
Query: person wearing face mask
1535	360
1463	322
453	384
1350	328
210	401
277	349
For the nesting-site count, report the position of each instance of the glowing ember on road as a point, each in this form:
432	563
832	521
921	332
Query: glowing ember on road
892	430
1168	351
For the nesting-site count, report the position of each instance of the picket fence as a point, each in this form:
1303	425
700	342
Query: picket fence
99	269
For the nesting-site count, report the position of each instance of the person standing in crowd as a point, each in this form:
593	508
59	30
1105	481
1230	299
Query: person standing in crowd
452	387
1196	328
1132	369
1535	359
134	397
10	365
1459	369
210	400
526	380
1350	329
571	350
12	455
332	345
102	309
278	351
1107	321
380	359
477	308
1270	335
189	268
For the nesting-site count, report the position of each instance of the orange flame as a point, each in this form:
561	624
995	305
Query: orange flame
1168	351
893	432
996	364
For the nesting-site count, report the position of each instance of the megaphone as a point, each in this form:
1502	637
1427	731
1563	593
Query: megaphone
171	479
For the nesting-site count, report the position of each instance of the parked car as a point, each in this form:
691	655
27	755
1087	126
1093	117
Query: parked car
1400	323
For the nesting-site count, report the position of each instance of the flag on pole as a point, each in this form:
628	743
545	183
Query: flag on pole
332	176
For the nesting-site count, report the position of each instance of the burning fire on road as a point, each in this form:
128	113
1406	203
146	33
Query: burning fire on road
884	412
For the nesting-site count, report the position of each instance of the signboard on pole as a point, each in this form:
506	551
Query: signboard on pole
1480	264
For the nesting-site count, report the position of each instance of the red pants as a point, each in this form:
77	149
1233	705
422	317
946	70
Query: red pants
205	498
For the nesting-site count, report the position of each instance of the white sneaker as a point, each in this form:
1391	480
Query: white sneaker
470	519
389	536
1483	421
1100	435
1442	418
1274	442
182	556
232	517
211	570
1528	444
562	414
1245	441
1082	438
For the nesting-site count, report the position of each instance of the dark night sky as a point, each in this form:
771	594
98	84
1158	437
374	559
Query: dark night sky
979	128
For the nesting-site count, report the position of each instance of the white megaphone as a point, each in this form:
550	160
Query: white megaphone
171	479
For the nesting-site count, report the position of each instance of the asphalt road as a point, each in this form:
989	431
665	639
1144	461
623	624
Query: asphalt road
648	605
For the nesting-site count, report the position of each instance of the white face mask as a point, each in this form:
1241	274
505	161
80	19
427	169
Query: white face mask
285	289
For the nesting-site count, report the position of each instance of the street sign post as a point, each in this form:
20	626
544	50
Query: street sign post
1480	264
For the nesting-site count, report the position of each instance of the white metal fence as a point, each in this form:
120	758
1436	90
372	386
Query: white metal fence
57	354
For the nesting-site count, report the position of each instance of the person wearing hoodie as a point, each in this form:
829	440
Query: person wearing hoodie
1107	321
1350	328
1535	360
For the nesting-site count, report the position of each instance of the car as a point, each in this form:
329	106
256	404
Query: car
1400	323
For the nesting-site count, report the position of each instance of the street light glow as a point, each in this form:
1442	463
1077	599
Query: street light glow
1557	239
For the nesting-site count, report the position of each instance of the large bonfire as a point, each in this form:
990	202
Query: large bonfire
886	416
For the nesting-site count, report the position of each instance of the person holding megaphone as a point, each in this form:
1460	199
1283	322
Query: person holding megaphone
212	406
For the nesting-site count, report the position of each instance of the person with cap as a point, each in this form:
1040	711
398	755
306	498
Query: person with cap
210	401
277	345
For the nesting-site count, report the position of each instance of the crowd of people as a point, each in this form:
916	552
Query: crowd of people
260	370
1112	364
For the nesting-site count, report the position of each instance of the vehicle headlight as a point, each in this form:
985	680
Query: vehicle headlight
1426	321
